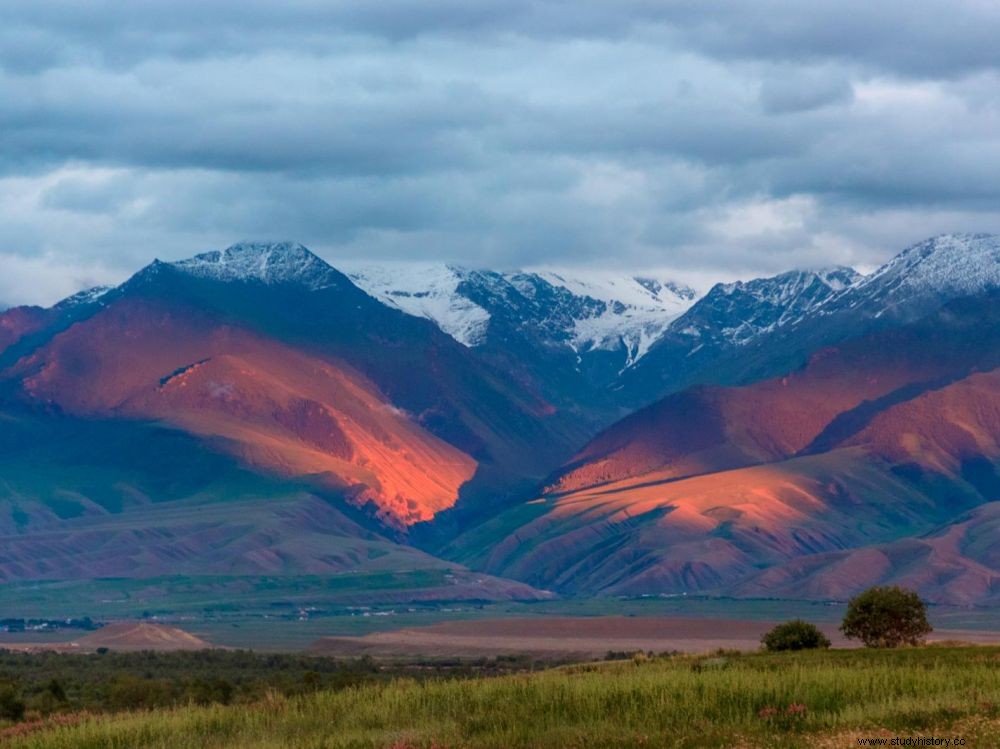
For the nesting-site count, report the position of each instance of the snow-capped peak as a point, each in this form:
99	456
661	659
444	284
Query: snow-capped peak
584	310
635	291
428	290
786	288
636	309
267	262
739	312
949	263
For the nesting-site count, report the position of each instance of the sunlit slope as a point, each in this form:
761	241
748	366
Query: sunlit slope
280	410
707	429
958	564
85	499
273	356
658	535
886	438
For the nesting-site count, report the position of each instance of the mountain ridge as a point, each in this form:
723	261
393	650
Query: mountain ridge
701	345
598	311
796	424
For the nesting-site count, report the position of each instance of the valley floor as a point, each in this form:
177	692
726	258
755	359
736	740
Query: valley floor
582	637
698	623
725	699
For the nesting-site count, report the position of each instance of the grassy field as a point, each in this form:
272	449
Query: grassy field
806	699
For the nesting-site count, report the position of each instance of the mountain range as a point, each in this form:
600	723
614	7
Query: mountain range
515	434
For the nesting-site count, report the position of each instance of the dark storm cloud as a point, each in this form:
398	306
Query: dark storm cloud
710	137
929	38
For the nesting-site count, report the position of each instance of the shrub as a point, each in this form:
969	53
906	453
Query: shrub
886	617
795	635
127	692
11	706
207	691
55	688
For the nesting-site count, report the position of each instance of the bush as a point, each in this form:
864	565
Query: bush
886	617
127	692
795	635
207	691
56	690
11	706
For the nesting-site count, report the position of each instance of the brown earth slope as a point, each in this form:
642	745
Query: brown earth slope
141	636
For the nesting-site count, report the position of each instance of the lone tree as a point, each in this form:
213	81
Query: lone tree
886	617
795	635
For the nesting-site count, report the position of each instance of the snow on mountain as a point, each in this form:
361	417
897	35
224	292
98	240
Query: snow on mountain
267	262
87	296
736	313
636	310
915	282
926	275
586	311
426	290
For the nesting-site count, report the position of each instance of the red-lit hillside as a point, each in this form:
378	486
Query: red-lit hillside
708	429
18	322
271	355
886	437
280	410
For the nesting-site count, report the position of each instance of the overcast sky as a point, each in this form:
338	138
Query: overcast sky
709	139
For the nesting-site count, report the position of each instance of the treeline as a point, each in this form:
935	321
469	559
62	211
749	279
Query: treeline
41	684
44	683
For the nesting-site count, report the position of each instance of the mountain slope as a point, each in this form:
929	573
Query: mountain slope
654	534
18	322
707	428
957	564
564	336
278	409
881	438
154	515
696	346
279	359
741	333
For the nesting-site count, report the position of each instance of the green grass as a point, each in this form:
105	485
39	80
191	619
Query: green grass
711	701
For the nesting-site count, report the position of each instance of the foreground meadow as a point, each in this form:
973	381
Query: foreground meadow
826	698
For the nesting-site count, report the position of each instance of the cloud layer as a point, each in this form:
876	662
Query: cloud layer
710	139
